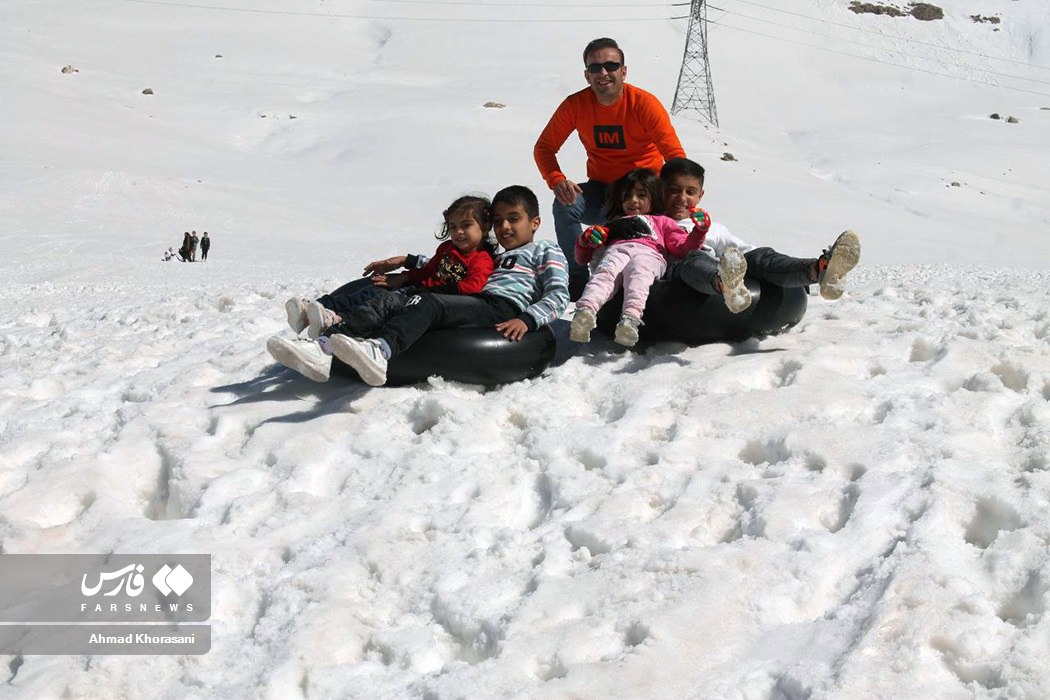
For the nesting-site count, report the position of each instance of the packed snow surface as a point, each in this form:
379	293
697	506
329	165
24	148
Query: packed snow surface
856	508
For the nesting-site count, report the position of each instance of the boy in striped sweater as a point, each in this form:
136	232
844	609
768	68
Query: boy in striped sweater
528	289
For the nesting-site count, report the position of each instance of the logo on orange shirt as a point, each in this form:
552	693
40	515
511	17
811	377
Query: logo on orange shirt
609	137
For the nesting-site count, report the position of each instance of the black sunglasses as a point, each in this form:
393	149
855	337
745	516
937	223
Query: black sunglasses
609	66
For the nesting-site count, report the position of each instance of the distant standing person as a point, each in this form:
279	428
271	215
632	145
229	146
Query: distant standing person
622	127
205	245
184	251
193	246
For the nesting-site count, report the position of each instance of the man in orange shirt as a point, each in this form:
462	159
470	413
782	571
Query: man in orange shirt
622	127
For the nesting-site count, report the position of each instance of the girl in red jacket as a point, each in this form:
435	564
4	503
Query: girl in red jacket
461	265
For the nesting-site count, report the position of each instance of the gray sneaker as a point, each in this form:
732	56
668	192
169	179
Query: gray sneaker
835	262
365	356
296	310
627	331
731	270
583	323
305	358
319	319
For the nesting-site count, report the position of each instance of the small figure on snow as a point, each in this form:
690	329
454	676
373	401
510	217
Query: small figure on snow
185	250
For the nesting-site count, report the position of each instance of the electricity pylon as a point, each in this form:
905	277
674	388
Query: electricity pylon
695	91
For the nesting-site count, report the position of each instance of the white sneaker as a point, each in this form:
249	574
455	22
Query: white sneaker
835	262
731	270
319	318
365	356
296	310
305	358
583	323
627	331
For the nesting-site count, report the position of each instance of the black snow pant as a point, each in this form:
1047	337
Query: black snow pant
364	319
700	271
424	312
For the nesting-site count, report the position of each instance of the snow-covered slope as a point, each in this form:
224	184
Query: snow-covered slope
854	509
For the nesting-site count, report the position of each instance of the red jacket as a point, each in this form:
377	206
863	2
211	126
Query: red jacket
463	274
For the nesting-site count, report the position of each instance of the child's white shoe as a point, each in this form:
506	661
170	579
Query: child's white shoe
319	318
296	310
835	262
305	358
627	331
365	356
583	322
731	270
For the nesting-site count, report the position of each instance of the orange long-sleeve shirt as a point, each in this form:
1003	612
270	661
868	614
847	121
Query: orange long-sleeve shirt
635	132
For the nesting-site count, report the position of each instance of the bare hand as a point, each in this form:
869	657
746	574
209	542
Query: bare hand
377	267
394	281
566	191
514	329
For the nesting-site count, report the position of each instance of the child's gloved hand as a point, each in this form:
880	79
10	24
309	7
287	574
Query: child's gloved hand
594	237
700	219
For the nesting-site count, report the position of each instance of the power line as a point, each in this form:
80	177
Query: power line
334	15
327	15
937	60
528	4
875	60
883	35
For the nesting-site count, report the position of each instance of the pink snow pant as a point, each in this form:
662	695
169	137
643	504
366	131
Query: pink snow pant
635	265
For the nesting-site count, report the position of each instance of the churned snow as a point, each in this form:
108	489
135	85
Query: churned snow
856	508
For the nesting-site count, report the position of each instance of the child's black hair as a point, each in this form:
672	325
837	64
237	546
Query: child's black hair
479	208
647	179
518	195
682	166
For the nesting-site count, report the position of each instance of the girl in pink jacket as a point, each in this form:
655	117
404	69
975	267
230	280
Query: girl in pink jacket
634	248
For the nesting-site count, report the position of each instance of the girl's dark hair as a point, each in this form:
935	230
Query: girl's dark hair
479	208
647	179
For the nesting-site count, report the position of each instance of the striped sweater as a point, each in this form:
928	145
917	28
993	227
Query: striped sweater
533	277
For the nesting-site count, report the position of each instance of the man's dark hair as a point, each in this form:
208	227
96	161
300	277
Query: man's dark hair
518	195
602	43
682	166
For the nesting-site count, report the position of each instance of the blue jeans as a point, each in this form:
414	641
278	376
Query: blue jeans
350	296
569	219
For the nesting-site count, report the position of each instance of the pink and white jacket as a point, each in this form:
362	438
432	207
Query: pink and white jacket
661	233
